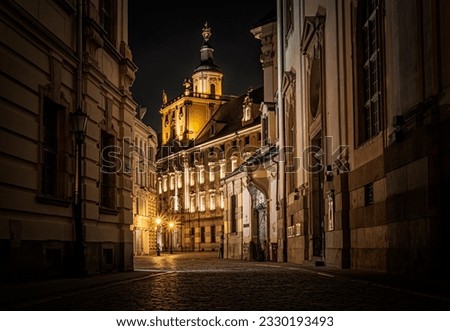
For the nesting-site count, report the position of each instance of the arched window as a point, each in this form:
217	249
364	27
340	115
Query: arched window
213	89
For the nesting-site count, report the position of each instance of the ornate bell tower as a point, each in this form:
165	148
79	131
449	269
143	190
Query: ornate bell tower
207	77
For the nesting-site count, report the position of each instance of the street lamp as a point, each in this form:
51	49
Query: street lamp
78	121
170	236
158	250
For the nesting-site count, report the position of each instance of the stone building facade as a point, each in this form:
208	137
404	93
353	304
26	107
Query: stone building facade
354	172
145	146
362	99
59	56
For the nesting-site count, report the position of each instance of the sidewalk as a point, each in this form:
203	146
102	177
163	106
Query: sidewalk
16	295
437	286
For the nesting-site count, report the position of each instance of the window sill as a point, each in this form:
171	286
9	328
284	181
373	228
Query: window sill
50	200
108	211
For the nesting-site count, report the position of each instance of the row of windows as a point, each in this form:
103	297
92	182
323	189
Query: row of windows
197	203
53	164
175	180
212	234
201	206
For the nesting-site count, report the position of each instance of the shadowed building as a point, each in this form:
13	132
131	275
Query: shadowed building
363	99
66	202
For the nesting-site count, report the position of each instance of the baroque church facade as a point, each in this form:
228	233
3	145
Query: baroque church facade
205	136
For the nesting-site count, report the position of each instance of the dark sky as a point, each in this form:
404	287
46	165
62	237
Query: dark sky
166	39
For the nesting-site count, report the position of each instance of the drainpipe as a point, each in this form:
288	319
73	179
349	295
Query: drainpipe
79	45
80	237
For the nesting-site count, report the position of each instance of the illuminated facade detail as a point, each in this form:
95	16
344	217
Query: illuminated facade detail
212	171
172	181
201	174
144	186
234	163
164	183
179	180
212	201
201	201
192	150
222	170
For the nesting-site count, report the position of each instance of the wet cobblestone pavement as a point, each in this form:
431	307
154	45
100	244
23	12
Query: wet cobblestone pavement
188	281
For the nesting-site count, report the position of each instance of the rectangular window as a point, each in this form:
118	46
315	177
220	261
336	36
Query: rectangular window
192	178
172	181
222	200
212	174
49	172
289	16
212	201
368	195
233	220
369	65
165	183
222	169
108	170
201	203
180	180
201	175
108	18
213	234
202	234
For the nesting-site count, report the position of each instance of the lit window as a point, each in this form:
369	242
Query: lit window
222	200
172	182
212	201
192	177
165	183
159	186
201	203
180	180
201	178
212	172
222	169
233	163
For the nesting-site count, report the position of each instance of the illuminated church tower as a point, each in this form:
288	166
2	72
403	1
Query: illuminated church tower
207	77
184	116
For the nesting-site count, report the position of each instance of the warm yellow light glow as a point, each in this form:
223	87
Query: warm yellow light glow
171	224
158	221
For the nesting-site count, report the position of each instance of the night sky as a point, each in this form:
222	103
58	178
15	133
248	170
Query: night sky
166	40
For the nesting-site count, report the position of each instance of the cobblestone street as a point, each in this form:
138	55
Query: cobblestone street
202	281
